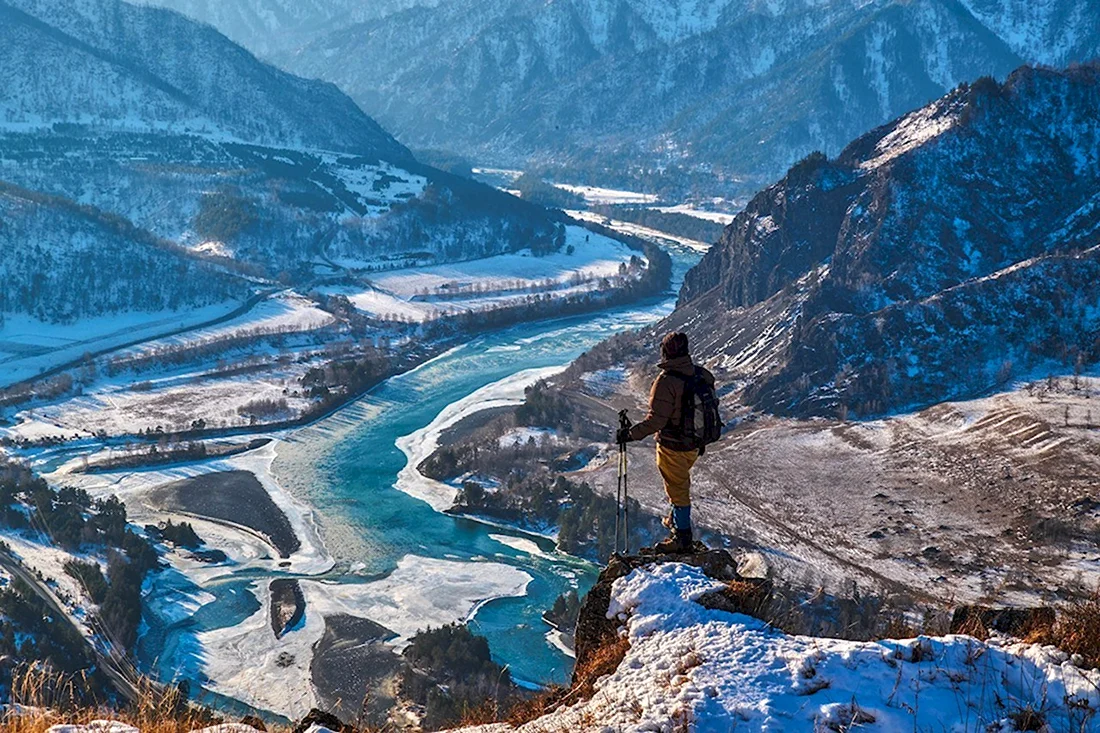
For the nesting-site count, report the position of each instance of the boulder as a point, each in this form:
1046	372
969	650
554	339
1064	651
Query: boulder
979	621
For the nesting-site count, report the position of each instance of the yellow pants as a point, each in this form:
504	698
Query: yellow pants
675	467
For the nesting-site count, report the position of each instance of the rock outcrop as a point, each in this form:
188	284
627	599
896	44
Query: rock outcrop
595	631
935	258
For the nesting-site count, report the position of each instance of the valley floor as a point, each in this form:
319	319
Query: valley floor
169	425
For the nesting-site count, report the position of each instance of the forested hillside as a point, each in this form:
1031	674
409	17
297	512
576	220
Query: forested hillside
63	262
192	148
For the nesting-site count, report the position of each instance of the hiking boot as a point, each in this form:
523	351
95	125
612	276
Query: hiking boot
678	543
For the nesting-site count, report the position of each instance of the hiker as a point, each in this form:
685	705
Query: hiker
679	445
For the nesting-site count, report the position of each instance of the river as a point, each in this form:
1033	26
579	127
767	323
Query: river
347	468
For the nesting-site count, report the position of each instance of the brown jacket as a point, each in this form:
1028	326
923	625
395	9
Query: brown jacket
665	404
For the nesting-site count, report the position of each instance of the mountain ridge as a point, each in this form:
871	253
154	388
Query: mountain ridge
185	76
673	97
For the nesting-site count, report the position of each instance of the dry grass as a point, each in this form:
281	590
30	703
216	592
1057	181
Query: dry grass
602	662
42	698
1077	631
486	713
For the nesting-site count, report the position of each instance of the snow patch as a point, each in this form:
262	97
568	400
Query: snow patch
724	671
419	445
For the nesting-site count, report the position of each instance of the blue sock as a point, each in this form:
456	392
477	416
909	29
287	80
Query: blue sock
681	517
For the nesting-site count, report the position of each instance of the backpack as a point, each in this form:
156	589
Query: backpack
700	423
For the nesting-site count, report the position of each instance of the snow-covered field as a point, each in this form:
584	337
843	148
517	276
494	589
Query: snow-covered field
173	404
595	196
714	672
636	230
418	446
286	312
29	346
715	216
421	293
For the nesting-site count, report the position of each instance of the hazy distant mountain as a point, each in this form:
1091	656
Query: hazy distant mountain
938	256
721	88
270	27
116	66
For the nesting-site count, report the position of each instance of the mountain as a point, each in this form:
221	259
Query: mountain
269	27
936	257
142	115
120	67
1047	32
671	95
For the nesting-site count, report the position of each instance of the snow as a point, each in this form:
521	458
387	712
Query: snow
594	195
914	130
594	255
556	640
217	249
38	555
96	726
520	544
636	230
247	663
423	592
603	383
689	210
376	182
285	312
523	435
29	346
417	446
173	404
490	282
719	671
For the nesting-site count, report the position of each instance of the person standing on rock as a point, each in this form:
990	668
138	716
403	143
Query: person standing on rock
671	417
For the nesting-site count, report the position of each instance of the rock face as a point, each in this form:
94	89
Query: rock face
934	258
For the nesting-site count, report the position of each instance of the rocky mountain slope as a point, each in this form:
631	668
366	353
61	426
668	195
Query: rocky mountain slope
614	89
936	257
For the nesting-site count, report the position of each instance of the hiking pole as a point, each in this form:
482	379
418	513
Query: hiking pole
624	423
618	500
